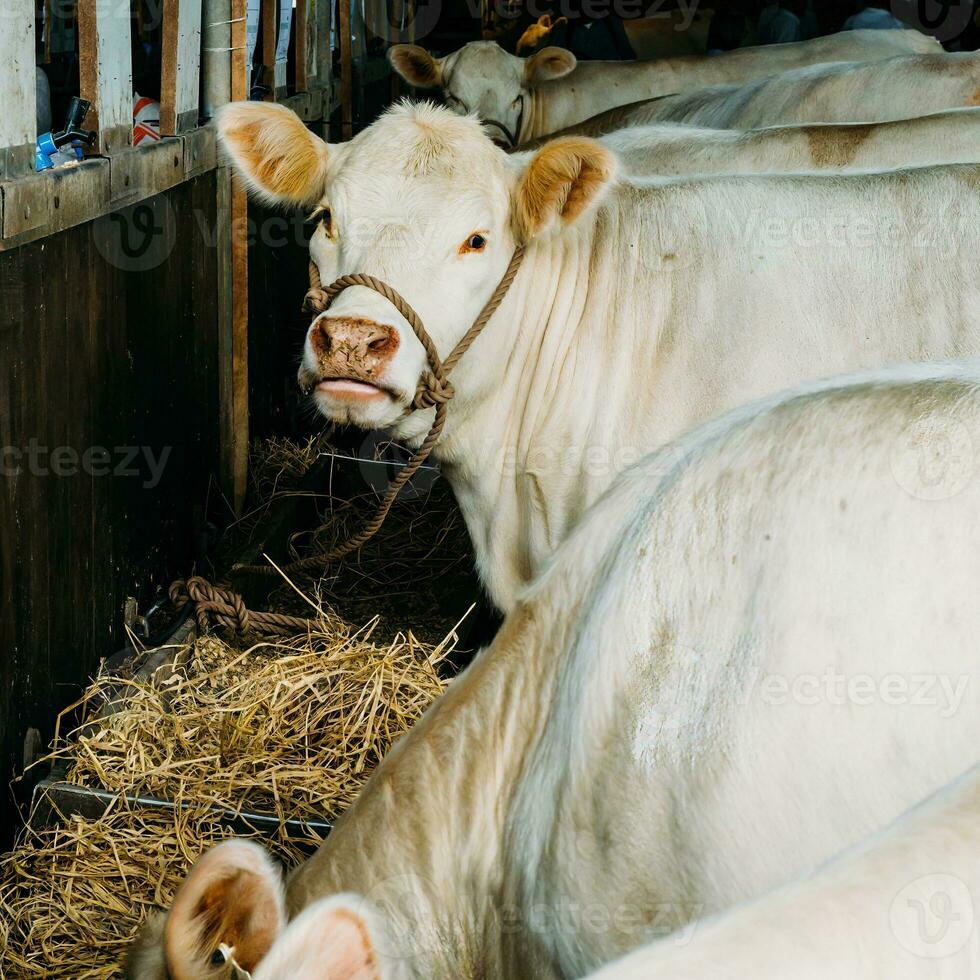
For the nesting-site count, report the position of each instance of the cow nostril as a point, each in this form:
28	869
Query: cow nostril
379	343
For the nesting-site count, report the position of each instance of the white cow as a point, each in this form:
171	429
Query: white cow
901	906
642	307
757	649
669	149
522	98
844	92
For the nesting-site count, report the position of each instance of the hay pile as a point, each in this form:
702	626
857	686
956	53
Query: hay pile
72	896
290	728
286	727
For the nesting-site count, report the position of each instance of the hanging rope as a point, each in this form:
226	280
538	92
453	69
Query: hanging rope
434	390
226	607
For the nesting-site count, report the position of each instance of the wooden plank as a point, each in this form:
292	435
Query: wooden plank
17	117
307	105
233	304
142	171
346	72
53	200
216	56
304	25
105	66
38	205
323	13
200	152
270	19
180	66
232	277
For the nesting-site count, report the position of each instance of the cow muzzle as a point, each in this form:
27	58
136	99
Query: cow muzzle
352	355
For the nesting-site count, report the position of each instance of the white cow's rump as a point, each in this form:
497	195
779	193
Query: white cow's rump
848	92
670	149
642	307
523	98
758	648
901	906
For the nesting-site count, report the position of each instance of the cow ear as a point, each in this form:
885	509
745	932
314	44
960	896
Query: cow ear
230	906
547	65
416	65
334	939
280	159
563	180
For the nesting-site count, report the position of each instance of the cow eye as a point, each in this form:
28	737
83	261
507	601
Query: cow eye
475	243
218	957
323	218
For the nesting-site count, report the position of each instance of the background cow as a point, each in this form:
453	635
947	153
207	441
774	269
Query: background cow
523	98
757	649
899	88
669	149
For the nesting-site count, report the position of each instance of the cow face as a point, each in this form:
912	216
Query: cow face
483	79
228	923
424	201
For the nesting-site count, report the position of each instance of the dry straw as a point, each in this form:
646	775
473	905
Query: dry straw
291	728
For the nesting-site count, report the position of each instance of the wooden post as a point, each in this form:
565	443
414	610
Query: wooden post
324	55
270	23
232	245
305	45
18	115
181	66
105	68
216	55
346	72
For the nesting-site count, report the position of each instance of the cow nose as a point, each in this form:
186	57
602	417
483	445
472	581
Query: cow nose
357	336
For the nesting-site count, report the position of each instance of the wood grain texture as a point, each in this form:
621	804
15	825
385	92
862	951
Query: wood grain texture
17	117
105	68
98	357
180	66
346	72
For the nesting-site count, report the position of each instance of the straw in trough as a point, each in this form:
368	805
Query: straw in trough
290	727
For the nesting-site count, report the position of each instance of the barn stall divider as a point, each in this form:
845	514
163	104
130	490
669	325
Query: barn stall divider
129	382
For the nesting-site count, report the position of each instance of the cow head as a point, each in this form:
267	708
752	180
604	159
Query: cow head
424	201
228	923
484	79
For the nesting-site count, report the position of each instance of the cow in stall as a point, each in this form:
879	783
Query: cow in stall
520	99
672	150
757	649
846	92
642	306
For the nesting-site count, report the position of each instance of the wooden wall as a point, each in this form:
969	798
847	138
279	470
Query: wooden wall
103	344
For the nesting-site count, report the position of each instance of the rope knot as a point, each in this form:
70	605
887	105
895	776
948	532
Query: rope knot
433	391
315	300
